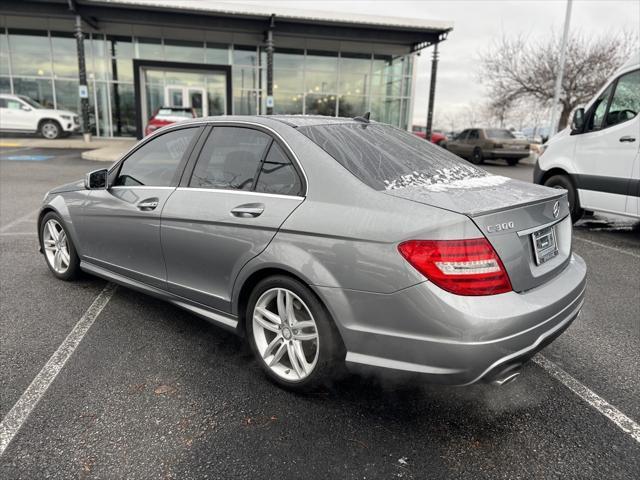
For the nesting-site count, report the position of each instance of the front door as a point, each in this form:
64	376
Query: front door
242	189
606	151
187	97
120	226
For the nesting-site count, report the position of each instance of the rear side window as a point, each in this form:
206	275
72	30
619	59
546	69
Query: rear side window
230	159
386	157
277	174
473	135
156	162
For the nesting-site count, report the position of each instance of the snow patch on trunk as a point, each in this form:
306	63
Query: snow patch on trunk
444	179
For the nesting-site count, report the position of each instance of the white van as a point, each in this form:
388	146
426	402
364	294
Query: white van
597	159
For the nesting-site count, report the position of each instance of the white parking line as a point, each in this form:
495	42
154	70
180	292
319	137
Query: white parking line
12	422
19	220
623	422
603	245
17	234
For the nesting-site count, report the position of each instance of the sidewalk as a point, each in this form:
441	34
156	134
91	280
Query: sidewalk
99	149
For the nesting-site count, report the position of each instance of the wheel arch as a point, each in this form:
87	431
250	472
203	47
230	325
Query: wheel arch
48	119
248	283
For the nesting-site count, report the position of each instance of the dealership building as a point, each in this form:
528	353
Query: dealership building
217	58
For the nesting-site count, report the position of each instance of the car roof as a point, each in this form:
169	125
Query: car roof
294	121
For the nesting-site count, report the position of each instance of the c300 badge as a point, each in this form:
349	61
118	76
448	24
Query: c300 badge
501	227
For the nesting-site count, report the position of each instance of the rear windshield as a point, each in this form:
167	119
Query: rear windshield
386	158
499	133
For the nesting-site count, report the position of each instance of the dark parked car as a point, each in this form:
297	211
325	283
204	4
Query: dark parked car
478	144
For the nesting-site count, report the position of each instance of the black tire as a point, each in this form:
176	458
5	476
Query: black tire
50	129
329	342
513	161
73	270
476	156
562	181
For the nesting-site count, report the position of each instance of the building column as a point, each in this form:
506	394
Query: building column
432	92
269	50
82	78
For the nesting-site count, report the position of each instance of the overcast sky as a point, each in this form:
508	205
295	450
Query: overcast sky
476	24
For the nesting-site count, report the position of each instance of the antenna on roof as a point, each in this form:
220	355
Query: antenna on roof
364	118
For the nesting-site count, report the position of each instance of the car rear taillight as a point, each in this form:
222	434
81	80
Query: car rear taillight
463	267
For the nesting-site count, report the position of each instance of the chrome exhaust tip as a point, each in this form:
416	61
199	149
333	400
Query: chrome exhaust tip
507	377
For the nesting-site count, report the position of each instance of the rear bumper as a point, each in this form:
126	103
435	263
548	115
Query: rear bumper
506	154
449	339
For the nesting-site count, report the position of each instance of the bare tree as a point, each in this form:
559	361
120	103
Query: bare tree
518	68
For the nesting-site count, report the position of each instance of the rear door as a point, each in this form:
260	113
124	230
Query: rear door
606	151
120	227
242	187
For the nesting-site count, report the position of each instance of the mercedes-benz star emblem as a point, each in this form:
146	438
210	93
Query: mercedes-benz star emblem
556	209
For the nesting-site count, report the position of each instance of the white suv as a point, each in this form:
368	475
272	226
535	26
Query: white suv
19	113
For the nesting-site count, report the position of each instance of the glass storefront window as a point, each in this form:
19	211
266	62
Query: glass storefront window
4	53
65	58
216	54
245	55
351	106
288	58
67	95
40	89
122	69
321	82
5	85
354	84
320	105
150	48
123	109
102	100
288	80
386	110
154	96
355	63
30	53
184	51
245	102
323	61
245	78
120	47
287	103
383	85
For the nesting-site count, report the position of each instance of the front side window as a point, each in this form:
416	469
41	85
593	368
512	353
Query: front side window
230	159
600	109
277	174
473	135
462	135
625	103
156	162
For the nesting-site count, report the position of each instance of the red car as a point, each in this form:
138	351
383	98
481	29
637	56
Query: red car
168	115
437	136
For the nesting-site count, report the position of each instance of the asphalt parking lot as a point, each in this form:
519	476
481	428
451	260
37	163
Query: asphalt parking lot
154	392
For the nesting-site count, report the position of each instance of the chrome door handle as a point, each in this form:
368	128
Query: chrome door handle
627	138
250	210
148	205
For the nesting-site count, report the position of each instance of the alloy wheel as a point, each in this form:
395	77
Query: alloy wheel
56	246
50	130
285	334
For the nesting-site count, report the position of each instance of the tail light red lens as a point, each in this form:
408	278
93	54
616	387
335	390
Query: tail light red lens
463	267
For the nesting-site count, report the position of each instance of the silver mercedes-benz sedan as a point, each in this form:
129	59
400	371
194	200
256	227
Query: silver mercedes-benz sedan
329	241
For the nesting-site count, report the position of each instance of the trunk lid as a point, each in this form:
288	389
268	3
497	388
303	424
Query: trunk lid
509	213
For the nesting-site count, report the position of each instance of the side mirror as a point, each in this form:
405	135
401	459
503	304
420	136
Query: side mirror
577	123
25	108
97	180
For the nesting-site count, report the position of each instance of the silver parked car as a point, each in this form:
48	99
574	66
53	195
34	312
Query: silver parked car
328	240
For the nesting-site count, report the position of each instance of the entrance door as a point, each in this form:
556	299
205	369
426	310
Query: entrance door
187	97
